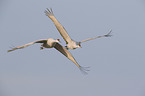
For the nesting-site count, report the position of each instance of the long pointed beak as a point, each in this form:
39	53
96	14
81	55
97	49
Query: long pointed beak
80	46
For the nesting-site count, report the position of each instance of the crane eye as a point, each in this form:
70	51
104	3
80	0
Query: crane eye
58	40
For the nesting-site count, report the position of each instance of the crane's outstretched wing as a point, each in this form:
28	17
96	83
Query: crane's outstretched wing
26	45
66	53
59	27
108	35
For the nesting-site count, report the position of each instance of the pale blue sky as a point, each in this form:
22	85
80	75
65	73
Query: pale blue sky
117	63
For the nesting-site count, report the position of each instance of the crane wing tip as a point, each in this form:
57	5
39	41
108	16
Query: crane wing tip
84	70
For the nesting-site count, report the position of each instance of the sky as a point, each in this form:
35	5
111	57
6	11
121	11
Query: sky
117	63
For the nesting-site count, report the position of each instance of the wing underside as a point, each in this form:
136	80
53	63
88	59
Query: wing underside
59	27
107	35
66	53
26	45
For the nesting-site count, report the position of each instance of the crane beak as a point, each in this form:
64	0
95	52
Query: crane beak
80	46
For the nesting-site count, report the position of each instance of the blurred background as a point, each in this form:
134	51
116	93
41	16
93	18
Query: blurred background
117	63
